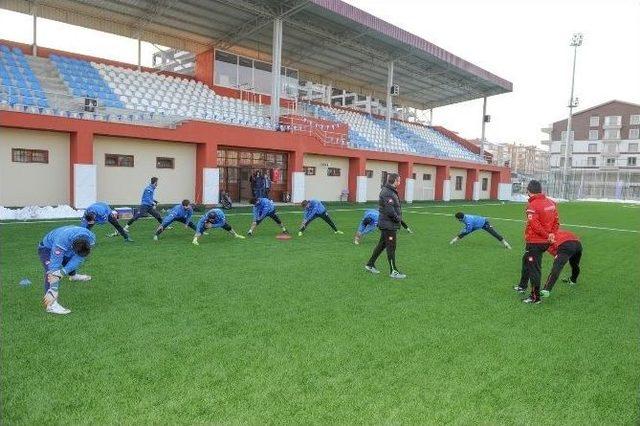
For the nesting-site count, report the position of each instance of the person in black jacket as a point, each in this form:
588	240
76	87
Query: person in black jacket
389	223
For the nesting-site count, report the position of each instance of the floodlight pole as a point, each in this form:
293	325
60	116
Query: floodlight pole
139	54
576	41
484	122
389	102
276	59
34	47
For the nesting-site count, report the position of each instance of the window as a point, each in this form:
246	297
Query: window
485	184
426	176
634	133
333	171
611	161
594	121
593	135
563	148
613	120
118	160
383	178
563	135
413	176
561	161
226	69
165	163
458	183
21	155
309	170
591	161
633	147
593	147
610	134
631	161
634	119
368	173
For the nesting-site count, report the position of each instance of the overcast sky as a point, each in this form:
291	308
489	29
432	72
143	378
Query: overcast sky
525	42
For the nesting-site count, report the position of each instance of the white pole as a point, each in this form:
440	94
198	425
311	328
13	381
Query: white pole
430	116
575	42
484	114
34	47
139	55
389	102
276	55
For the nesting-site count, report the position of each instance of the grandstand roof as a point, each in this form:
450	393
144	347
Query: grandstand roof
328	41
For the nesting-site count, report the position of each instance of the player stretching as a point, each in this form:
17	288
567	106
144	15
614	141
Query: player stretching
147	204
473	223
179	213
314	209
263	208
99	213
369	223
542	223
214	218
61	252
565	248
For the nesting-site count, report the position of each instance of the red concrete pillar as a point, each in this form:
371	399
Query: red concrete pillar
206	158
442	174
80	152
204	67
495	180
405	170
472	178
357	167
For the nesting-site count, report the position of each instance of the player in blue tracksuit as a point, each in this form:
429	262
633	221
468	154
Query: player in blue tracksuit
214	218
179	213
100	213
263	208
147	204
314	209
369	223
61	252
473	223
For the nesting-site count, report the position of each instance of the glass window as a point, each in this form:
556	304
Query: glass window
613	120
591	161
309	170
118	160
458	183
612	134
611	161
226	69
633	147
245	73
593	135
631	161
485	184
594	121
262	77
634	133
413	176
593	147
20	155
165	163
368	174
634	119
333	171
426	176
245	158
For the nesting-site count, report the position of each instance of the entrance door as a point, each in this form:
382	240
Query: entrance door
245	185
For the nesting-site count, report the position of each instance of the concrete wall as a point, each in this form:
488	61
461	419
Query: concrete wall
485	195
374	183
424	189
24	184
124	185
461	193
321	186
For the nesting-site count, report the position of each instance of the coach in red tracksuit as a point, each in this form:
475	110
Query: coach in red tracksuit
565	248
542	224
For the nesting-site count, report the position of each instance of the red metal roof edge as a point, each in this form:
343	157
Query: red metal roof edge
363	18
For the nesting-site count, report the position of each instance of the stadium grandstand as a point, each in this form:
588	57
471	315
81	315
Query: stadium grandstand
207	122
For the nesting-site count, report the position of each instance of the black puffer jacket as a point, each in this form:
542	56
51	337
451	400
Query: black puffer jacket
389	208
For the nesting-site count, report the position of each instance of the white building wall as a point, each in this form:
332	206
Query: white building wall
23	184
458	194
321	186
375	182
124	185
424	189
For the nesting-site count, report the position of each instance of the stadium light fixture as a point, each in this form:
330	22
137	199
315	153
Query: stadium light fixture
576	41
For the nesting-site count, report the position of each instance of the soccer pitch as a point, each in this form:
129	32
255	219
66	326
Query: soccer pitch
267	331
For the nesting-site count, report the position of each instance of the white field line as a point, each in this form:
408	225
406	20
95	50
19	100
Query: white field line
601	228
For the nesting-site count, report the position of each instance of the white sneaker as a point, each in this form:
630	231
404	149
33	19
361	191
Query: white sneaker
126	228
371	269
506	244
409	230
397	275
195	242
356	242
56	308
79	277
155	238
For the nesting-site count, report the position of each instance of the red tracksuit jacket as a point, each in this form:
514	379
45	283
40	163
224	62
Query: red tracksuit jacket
562	236
542	219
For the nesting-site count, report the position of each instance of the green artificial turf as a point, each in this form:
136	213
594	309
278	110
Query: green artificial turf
267	331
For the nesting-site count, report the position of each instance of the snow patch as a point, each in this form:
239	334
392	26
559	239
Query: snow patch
37	212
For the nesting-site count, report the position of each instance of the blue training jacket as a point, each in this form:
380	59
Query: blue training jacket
373	215
263	208
177	212
314	207
219	221
147	196
472	223
101	210
60	242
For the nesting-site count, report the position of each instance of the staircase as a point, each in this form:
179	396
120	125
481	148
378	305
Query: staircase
52	84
